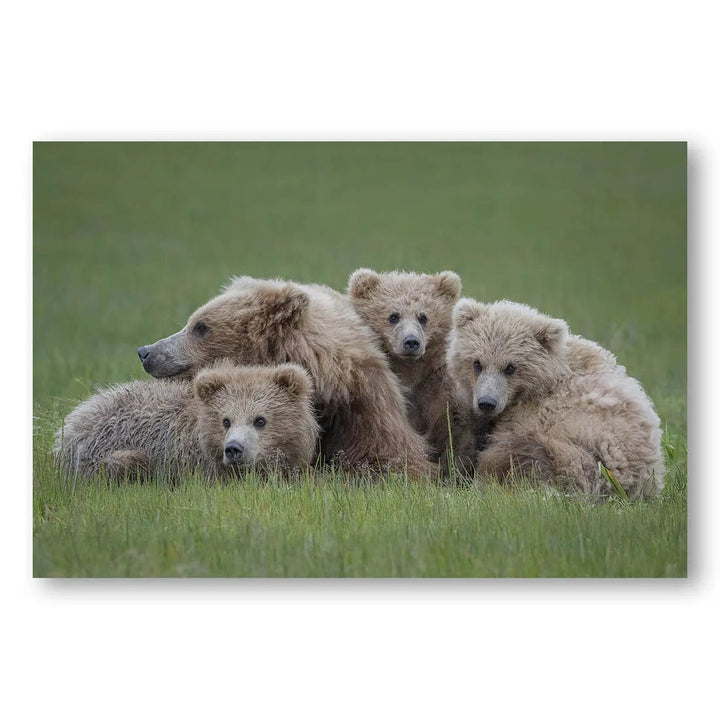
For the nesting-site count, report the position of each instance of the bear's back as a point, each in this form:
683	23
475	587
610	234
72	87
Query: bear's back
156	417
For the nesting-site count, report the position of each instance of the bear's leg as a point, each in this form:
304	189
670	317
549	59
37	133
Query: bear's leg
510	454
130	464
373	431
634	473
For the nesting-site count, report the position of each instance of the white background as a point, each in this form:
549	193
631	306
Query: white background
371	70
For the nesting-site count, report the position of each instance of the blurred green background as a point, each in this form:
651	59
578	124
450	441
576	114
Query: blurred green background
130	237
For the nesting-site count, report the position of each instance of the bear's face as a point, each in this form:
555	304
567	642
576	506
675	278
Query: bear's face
410	313
245	323
503	352
255	415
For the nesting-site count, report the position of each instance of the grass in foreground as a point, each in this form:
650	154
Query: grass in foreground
324	526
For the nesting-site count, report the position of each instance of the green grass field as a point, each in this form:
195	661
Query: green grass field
130	238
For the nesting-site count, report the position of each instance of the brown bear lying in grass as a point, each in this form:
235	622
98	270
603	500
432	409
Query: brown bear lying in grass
554	404
412	315
357	397
229	419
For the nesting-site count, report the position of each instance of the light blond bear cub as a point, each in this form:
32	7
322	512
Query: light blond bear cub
229	419
358	399
555	404
411	313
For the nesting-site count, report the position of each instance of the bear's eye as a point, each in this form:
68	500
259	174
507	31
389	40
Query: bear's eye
478	367
422	318
394	319
200	328
510	369
226	422
259	421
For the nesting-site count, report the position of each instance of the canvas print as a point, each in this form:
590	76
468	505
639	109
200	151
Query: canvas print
359	359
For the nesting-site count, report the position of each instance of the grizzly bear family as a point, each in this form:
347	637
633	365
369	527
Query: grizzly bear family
400	373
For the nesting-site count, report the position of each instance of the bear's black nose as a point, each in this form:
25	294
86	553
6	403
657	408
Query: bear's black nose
486	404
143	352
411	343
234	451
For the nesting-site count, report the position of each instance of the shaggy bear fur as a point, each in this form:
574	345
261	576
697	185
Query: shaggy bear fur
229	418
357	397
555	403
412	315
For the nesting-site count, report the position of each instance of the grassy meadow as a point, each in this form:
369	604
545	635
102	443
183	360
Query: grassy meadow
129	238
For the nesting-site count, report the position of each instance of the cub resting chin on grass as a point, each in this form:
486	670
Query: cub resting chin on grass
544	402
229	419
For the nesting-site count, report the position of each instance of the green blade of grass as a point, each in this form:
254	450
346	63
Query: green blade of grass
607	474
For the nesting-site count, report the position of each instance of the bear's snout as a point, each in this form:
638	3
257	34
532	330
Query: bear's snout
486	404
411	344
234	452
166	357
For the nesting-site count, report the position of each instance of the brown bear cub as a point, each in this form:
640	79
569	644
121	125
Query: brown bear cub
357	397
555	404
229	419
412	315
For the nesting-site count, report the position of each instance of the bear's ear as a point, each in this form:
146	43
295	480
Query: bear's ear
465	311
362	282
286	306
294	380
551	333
448	285
207	382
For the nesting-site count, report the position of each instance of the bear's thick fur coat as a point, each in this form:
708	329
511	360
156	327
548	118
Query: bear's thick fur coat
411	313
229	418
358	399
554	403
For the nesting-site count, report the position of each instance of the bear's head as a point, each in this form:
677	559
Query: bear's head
411	313
502	353
255	416
247	322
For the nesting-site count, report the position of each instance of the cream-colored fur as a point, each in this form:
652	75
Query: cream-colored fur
554	403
